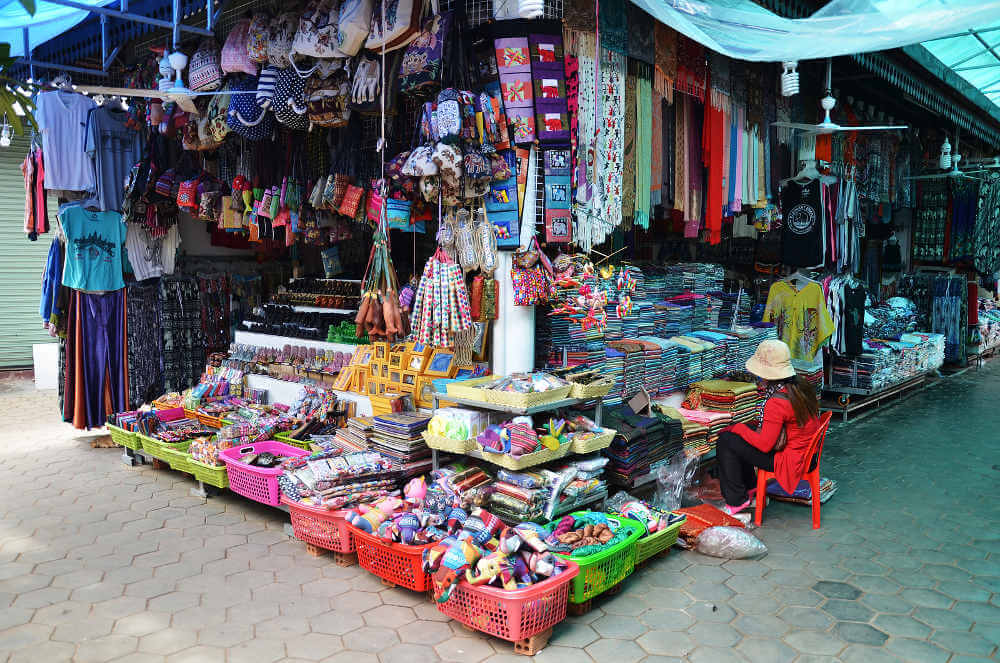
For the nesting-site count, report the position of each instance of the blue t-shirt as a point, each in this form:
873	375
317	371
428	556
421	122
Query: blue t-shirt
94	243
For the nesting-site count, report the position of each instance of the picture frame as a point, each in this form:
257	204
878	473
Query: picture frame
381	350
441	364
395	360
362	355
465	372
395	377
409	378
344	379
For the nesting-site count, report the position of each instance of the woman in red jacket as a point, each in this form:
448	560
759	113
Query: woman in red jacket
786	422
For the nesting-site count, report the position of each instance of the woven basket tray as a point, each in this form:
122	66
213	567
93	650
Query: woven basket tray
597	389
534	399
447	444
593	444
469	389
522	462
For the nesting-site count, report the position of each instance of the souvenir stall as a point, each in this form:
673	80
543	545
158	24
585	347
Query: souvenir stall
443	284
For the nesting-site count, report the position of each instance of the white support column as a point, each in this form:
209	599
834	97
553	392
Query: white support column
514	330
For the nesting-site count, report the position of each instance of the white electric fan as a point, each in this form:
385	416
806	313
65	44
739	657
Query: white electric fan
828	126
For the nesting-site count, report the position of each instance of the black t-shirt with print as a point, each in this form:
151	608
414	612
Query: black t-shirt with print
854	318
802	235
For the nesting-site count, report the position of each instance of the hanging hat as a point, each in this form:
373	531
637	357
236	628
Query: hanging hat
771	361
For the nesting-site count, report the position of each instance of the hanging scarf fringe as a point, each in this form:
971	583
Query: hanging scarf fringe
664	85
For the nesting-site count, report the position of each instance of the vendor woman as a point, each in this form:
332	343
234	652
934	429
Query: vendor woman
786	422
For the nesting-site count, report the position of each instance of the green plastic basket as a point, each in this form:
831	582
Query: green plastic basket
655	543
603	570
213	476
124	438
152	447
177	456
288	439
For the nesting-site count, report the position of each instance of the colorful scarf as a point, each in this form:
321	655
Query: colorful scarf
614	26
666	61
629	166
656	154
611	142
643	146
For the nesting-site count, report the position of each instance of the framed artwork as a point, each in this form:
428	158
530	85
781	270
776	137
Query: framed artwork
362	355
395	359
381	350
441	364
465	372
344	378
409	378
372	388
395	377
384	374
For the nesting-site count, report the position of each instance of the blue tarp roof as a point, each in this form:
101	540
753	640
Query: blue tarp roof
48	22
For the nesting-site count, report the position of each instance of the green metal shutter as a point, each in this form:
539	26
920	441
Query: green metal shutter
21	265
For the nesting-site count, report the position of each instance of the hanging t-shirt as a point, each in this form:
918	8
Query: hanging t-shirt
93	248
113	149
62	120
802	237
854	318
151	256
801	317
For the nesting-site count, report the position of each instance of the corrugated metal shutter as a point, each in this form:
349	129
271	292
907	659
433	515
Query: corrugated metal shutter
21	265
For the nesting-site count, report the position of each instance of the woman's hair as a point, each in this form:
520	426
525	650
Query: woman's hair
802	395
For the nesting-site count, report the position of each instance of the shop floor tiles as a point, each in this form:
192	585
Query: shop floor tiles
103	562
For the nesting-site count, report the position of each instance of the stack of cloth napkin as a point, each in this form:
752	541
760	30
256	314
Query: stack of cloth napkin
738	399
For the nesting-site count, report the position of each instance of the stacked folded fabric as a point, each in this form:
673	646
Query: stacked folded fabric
695	432
714	421
614	368
738	399
728	347
640	441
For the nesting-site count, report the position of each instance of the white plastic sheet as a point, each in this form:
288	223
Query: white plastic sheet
745	31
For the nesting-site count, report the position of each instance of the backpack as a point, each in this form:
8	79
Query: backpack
421	68
245	117
317	33
234	52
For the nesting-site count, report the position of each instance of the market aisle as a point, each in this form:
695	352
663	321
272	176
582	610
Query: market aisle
103	562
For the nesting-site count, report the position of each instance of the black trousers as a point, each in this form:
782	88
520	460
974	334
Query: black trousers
737	459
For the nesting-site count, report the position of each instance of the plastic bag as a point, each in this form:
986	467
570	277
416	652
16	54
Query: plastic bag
672	479
730	543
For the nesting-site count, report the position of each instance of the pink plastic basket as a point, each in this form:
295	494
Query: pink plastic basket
393	562
321	527
257	483
515	614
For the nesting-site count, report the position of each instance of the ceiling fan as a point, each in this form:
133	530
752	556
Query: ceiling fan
828	126
953	173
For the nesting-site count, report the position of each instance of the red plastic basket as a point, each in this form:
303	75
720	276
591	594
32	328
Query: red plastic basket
320	527
257	483
514	614
393	562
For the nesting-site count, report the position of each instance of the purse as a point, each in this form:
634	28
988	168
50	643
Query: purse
204	73
289	103
327	98
353	26
244	116
234	57
421	67
317	33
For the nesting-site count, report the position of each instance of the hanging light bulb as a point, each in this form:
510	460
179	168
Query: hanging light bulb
944	162
6	132
789	79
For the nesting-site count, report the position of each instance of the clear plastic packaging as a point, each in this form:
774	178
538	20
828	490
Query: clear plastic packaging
672	479
730	543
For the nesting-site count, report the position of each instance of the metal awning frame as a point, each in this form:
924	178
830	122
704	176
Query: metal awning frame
122	13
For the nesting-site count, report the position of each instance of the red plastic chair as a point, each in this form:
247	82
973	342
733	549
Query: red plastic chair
815	451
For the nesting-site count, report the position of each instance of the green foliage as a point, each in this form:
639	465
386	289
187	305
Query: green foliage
10	93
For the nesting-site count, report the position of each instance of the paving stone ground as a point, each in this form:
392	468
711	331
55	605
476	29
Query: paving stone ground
103	562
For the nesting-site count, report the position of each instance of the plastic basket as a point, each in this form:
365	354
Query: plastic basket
321	527
521	462
259	484
598	389
210	421
190	414
603	570
393	562
151	446
534	399
286	438
124	438
595	443
655	543
177	456
511	614
211	474
442	443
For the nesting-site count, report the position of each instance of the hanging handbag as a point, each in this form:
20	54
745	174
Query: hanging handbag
217	110
317	33
351	201
258	35
165	182
421	67
327	99
234	58
289	104
353	26
187	194
398	213
204	73
400	26
281	36
244	116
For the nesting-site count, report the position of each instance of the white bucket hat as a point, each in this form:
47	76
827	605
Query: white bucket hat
771	361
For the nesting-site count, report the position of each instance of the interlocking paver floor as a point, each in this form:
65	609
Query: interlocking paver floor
103	562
